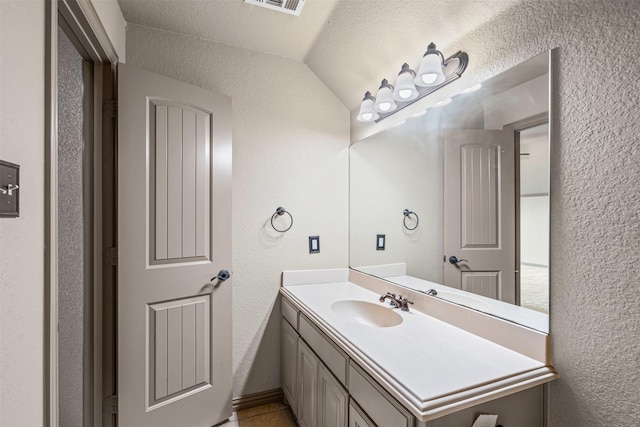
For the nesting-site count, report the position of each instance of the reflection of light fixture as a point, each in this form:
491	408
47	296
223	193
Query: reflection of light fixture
384	102
367	113
443	103
405	87
472	88
430	71
419	113
434	72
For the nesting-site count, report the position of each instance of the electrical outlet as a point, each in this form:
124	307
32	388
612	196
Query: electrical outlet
314	244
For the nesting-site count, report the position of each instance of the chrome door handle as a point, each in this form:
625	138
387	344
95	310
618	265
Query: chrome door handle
222	276
454	260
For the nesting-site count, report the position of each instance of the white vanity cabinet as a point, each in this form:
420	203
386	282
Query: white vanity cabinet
315	396
328	382
314	372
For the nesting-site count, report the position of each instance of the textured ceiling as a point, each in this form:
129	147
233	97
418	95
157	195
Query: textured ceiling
349	44
235	23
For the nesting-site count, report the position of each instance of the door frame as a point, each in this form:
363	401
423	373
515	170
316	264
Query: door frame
516	128
81	19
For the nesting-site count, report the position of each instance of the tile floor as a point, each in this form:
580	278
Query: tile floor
269	415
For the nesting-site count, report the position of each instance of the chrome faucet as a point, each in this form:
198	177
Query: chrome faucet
394	301
400	302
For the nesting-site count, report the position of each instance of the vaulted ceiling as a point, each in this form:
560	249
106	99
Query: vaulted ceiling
349	44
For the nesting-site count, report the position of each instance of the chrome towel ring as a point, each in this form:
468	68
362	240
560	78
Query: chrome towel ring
406	214
279	212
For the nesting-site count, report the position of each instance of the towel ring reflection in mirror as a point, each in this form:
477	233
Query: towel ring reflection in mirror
407	213
279	212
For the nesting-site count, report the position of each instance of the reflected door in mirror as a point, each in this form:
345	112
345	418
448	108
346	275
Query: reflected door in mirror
479	215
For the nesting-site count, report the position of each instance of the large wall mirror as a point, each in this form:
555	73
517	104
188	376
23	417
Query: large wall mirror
456	199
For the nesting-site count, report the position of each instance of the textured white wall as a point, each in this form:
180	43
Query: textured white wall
595	194
22	239
290	148
595	197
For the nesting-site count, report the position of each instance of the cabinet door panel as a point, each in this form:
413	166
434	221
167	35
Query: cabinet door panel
307	386
289	366
332	400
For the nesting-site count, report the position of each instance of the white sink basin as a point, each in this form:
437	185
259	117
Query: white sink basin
367	313
467	301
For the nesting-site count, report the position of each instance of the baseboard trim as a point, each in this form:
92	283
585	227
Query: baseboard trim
257	399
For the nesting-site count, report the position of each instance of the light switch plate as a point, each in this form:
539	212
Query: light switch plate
380	242
9	190
314	244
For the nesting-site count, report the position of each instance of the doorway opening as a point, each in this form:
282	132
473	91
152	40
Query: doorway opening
79	218
75	234
532	216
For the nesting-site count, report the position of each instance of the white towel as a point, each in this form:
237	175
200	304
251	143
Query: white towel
485	421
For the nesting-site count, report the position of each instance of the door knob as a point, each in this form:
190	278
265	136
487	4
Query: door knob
454	260
222	276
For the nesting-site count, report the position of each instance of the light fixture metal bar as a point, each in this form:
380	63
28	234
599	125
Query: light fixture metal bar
454	66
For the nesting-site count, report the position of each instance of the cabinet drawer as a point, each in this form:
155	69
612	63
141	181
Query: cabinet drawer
357	418
334	358
289	313
377	403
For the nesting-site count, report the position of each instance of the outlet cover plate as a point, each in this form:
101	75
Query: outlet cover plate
314	244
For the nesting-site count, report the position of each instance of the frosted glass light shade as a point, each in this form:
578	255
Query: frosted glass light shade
405	89
384	101
367	113
430	71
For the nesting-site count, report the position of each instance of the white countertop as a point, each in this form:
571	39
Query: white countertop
426	363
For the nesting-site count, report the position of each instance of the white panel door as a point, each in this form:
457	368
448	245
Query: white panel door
479	217
174	235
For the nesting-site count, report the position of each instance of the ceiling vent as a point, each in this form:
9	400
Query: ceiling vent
292	7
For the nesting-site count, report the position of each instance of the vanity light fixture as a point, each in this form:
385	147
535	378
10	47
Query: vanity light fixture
367	113
384	102
434	72
430	71
405	87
